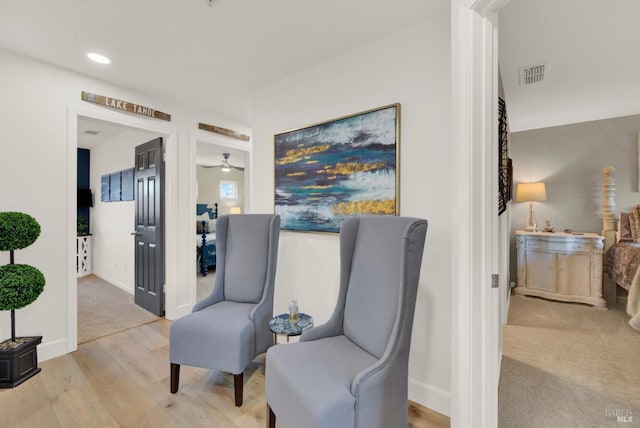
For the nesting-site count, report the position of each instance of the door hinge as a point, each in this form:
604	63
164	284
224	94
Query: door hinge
495	280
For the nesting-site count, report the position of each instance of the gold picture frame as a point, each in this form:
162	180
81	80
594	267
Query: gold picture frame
336	169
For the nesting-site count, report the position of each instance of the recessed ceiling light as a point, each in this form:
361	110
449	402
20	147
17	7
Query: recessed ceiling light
101	59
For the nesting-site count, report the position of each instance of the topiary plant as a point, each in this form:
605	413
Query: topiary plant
17	231
20	285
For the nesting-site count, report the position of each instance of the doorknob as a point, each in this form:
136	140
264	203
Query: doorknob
135	233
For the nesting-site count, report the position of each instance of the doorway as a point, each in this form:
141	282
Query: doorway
105	287
221	189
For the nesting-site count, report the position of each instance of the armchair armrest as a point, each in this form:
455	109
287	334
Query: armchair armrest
377	372
369	375
329	329
217	294
207	301
333	327
260	317
262	311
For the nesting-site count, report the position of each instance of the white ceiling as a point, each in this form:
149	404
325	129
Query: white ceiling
213	58
105	131
592	52
188	52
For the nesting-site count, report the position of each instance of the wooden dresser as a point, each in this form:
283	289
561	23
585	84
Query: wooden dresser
560	266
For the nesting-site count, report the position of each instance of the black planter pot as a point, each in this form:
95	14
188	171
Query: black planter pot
20	363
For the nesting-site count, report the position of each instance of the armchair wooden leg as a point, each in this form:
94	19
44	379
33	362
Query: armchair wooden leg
271	417
175	377
237	386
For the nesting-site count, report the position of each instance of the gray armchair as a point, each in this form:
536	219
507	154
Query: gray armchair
352	371
230	327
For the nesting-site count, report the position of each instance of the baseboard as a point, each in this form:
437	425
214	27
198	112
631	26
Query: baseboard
430	397
508	304
53	349
120	285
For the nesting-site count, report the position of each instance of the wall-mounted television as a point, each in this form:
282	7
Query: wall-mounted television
85	198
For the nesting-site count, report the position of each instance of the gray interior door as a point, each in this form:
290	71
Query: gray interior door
149	224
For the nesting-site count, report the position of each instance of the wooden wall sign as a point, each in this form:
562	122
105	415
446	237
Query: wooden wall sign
125	106
223	131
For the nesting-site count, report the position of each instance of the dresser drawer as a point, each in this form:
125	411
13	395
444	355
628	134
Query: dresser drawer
560	246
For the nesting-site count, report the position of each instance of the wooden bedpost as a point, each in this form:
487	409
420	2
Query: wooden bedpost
609	229
609	208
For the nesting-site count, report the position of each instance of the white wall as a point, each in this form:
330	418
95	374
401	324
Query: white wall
569	159
38	104
411	67
112	222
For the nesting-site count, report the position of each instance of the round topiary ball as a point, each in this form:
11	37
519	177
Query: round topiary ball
17	230
20	285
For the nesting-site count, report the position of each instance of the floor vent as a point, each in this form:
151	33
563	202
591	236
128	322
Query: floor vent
532	74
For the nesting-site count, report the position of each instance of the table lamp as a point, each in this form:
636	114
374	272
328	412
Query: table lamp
531	192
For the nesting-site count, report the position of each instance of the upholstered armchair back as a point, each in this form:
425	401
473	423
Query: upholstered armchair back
378	280
242	246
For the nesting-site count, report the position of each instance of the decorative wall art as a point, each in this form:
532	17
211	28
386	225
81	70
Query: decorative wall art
117	186
115	189
505	166
127	184
329	171
105	182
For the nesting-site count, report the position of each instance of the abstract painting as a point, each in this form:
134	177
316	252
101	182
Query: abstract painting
329	171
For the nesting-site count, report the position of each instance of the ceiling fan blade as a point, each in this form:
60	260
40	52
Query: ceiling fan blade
239	168
225	164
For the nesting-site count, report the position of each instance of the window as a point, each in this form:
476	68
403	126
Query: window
228	190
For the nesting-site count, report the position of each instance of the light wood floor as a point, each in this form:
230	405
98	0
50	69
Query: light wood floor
122	380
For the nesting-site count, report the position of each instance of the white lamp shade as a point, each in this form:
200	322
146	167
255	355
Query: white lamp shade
528	192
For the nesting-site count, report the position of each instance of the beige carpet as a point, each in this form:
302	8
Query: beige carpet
104	309
568	365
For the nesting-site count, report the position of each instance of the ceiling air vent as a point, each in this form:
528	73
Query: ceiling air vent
91	132
532	74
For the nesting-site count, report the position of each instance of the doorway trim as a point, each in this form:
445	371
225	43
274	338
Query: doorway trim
476	328
166	131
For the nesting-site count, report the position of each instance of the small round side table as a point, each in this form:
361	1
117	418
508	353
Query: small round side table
280	325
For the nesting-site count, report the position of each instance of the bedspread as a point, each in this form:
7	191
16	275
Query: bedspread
621	263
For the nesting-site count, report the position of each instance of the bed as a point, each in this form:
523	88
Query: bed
621	261
206	237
